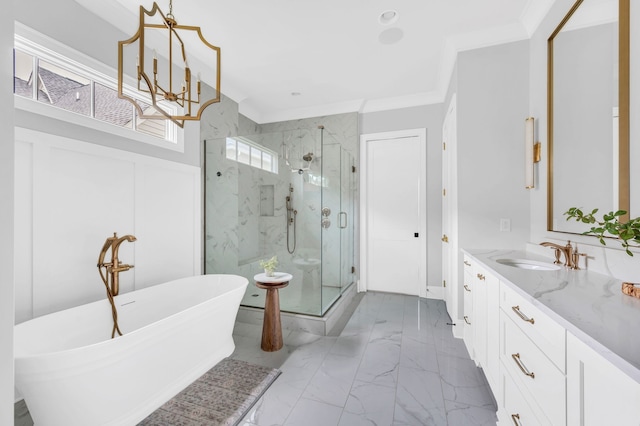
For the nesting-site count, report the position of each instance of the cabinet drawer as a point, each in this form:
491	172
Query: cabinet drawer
547	334
533	372
514	409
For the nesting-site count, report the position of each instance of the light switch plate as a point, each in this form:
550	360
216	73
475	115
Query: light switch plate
505	225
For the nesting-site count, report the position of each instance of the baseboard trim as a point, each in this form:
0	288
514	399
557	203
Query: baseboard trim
435	292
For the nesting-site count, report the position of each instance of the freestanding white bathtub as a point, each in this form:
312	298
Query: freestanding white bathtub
70	371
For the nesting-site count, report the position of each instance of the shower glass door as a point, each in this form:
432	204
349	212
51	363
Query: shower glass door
338	194
288	194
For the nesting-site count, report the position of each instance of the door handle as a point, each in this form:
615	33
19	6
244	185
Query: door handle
445	238
342	215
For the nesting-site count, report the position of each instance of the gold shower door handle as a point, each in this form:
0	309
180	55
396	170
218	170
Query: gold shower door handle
444	238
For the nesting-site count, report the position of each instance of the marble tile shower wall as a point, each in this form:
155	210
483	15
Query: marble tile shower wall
238	233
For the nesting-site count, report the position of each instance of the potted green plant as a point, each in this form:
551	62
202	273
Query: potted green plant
269	266
627	232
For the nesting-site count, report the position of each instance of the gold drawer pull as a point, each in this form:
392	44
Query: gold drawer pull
480	277
466	287
516	309
516	419
467	263
516	358
466	319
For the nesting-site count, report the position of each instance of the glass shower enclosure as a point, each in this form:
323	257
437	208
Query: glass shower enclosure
289	194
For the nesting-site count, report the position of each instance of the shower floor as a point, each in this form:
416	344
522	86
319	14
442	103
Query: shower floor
296	298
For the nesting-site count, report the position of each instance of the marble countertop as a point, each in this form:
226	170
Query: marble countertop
589	305
277	278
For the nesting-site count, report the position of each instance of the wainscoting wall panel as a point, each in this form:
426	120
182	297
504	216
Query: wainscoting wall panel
71	195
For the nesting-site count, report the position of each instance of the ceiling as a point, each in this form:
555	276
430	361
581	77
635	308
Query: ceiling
290	59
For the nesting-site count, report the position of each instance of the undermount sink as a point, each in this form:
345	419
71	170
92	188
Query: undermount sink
532	265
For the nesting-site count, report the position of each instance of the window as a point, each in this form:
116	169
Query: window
68	85
247	152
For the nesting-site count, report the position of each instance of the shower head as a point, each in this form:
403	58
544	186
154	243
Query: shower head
308	157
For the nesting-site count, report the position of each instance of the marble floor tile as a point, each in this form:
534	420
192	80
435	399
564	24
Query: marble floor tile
463	414
332	382
350	345
463	382
308	412
369	404
380	363
419	399
419	355
396	362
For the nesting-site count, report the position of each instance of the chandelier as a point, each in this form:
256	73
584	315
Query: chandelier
172	93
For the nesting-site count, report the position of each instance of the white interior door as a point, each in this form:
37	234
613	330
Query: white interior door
394	206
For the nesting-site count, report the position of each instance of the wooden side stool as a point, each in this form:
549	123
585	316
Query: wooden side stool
272	327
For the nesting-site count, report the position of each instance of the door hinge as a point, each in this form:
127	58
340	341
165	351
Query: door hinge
444	146
353	169
444	192
444	283
353	269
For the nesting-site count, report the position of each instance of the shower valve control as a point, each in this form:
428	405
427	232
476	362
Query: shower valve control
326	211
326	223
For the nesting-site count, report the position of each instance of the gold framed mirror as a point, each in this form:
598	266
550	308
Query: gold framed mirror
588	112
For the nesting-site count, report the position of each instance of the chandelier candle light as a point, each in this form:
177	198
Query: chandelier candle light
164	91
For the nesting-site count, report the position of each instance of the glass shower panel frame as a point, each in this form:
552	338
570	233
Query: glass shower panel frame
346	219
331	252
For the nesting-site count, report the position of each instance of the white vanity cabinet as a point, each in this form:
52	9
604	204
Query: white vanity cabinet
468	317
481	334
598	393
533	335
532	353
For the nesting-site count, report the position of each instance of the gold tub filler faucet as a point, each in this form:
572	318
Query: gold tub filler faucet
110	276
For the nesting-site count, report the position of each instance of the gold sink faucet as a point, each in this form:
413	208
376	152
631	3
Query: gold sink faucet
570	256
111	278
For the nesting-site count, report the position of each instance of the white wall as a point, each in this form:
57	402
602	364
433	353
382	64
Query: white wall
492	104
6	215
431	118
71	195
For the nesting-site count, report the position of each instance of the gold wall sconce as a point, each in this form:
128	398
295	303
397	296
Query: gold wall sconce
177	90
532	152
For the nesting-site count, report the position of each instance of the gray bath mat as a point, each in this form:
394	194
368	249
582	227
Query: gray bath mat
221	396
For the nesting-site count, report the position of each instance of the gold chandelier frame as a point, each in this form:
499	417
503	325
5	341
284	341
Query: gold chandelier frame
157	93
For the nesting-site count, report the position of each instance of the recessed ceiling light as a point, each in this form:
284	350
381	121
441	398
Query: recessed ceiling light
388	17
